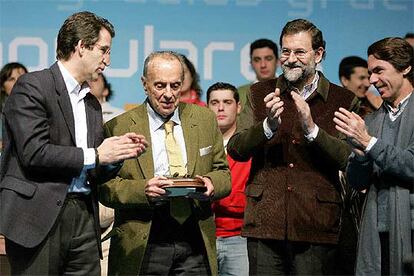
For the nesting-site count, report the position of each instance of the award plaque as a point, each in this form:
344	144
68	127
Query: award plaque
187	187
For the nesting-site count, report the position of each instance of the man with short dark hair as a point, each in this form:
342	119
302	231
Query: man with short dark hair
382	161
55	155
353	74
223	100
292	217
264	58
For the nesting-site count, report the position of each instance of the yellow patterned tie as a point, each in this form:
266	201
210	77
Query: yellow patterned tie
179	207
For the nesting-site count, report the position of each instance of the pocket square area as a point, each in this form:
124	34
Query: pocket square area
206	150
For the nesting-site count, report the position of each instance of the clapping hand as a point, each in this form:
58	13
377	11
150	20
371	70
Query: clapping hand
274	108
118	148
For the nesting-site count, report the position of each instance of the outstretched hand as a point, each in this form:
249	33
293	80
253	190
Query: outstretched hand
354	128
118	148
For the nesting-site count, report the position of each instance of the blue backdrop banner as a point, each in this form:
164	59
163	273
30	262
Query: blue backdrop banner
214	34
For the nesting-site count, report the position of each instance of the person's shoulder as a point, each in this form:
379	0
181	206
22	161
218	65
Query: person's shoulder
39	75
341	93
196	111
132	114
196	108
244	87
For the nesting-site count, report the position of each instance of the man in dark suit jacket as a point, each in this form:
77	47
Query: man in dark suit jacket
293	211
54	154
147	239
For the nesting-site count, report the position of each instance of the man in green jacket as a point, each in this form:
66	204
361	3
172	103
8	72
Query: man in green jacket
148	238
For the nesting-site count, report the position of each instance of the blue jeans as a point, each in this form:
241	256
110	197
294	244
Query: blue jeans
232	256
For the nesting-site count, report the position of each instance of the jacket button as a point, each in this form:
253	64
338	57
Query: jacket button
59	202
294	142
144	237
291	165
290	189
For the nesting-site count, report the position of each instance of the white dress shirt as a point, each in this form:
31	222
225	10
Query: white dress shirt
77	94
157	131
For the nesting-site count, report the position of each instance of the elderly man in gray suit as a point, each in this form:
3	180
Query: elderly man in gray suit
382	161
55	154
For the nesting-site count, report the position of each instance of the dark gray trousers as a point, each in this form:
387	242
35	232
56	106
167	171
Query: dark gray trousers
69	249
273	257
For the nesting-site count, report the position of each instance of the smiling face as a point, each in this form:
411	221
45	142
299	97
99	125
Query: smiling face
163	84
298	59
95	58
264	63
386	79
223	104
358	81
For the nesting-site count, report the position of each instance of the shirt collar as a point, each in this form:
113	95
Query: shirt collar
310	88
156	121
306	91
72	84
400	107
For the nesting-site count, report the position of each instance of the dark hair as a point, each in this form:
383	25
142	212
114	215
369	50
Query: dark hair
5	73
347	65
195	84
170	55
7	70
108	86
398	52
303	25
83	26
409	35
223	86
263	43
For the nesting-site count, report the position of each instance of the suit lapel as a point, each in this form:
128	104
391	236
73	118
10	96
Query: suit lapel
191	137
64	100
406	131
92	120
140	124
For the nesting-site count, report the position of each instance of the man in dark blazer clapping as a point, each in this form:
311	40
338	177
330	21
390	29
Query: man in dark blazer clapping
55	154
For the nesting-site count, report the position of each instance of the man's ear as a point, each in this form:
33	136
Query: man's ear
344	81
80	47
406	70
238	107
319	55
144	84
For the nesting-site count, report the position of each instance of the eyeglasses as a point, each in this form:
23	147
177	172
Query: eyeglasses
105	50
300	53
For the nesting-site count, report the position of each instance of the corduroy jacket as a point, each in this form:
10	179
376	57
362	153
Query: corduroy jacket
293	189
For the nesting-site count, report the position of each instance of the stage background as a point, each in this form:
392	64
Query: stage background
215	34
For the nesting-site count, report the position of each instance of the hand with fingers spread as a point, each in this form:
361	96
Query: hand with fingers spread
119	148
354	128
304	113
274	108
